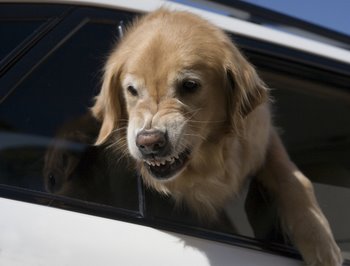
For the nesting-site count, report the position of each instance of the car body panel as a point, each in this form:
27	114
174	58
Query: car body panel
40	235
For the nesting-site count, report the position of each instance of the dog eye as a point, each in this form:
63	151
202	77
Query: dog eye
190	86
132	90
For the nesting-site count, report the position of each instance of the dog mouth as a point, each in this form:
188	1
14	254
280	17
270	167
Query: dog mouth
165	168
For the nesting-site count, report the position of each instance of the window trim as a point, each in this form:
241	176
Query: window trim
261	15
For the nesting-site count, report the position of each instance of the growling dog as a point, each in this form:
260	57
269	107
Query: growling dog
195	116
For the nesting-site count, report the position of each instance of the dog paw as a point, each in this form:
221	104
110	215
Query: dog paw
326	254
317	245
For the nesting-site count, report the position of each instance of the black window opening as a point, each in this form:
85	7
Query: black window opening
47	133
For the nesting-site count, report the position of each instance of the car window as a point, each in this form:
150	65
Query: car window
313	119
47	135
21	26
47	131
314	122
14	33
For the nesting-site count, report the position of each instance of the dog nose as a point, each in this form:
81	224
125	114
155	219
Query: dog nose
151	142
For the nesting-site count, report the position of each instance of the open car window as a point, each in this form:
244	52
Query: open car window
47	132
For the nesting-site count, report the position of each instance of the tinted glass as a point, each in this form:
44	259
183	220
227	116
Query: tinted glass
315	125
47	132
14	33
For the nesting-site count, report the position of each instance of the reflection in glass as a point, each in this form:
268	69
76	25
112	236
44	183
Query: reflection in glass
75	167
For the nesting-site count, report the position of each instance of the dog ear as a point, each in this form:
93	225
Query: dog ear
246	90
109	104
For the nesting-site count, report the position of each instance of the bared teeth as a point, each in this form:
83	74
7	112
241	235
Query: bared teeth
162	162
149	163
166	167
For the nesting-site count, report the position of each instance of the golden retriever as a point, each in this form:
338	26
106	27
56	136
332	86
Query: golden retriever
194	114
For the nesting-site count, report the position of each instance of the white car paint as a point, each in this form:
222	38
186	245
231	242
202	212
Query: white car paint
34	235
227	23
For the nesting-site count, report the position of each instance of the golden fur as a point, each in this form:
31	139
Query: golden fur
225	123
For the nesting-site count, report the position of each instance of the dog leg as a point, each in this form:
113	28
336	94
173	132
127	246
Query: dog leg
299	212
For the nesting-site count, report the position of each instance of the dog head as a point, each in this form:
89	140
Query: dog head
174	84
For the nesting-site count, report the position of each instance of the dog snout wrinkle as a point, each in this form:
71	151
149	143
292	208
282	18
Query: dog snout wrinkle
152	142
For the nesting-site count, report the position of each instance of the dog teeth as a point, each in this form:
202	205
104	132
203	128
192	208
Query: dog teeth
169	160
150	163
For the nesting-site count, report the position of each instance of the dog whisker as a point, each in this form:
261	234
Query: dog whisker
121	143
119	129
121	150
207	121
192	113
196	135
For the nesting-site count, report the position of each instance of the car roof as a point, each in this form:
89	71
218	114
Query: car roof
229	24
